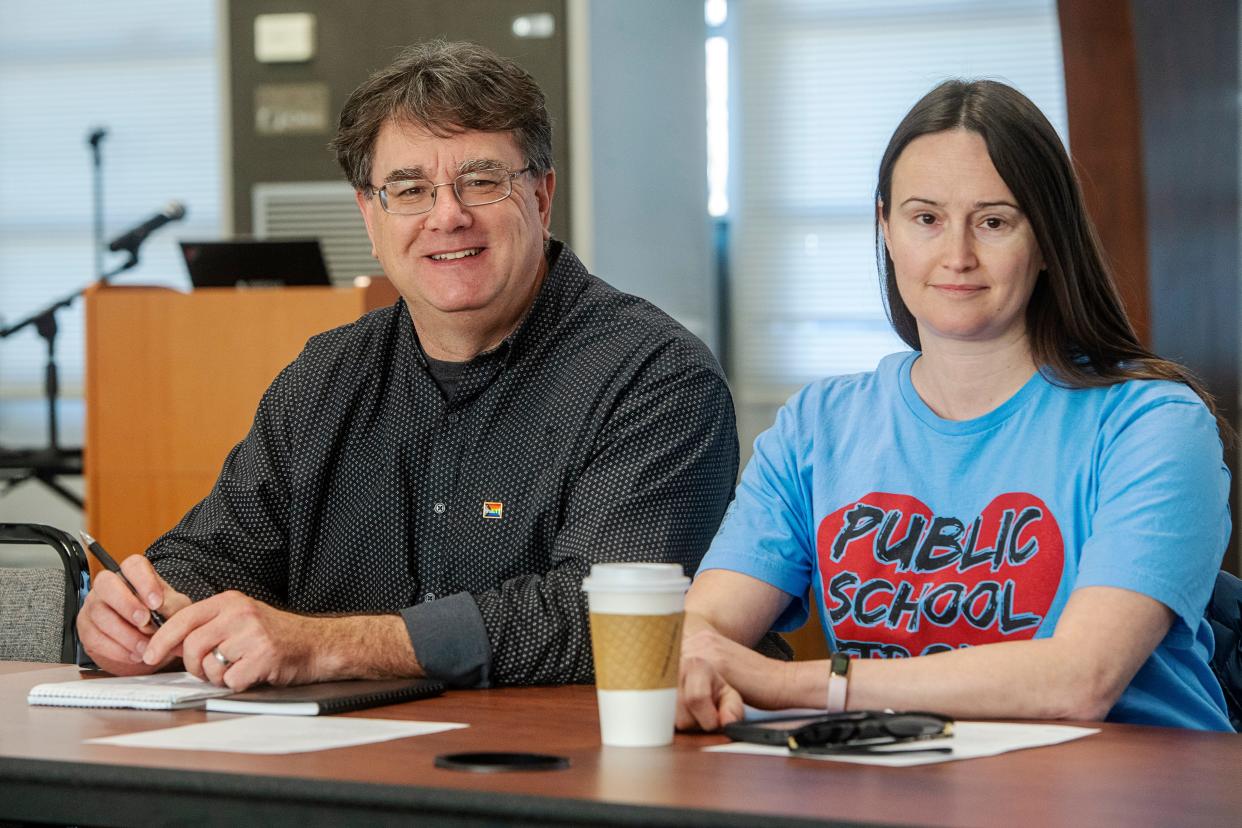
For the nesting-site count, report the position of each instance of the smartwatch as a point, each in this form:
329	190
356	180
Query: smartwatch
838	682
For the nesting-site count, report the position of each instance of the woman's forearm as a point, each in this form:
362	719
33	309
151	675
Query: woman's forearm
1035	679
1016	679
1103	638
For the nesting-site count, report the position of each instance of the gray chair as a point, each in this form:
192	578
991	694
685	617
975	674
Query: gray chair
39	607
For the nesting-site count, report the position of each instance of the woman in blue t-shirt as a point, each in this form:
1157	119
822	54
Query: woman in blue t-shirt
1022	517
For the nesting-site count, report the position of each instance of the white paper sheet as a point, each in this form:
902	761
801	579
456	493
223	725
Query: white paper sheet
277	734
970	740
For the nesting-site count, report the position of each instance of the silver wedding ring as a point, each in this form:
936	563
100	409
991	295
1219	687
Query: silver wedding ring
220	657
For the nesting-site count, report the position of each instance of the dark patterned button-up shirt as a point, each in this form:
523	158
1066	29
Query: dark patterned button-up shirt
600	430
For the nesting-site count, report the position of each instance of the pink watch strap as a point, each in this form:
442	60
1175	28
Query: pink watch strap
838	682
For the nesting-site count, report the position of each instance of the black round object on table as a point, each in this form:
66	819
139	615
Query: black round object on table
500	762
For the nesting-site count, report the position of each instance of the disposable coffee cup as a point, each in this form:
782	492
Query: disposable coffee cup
637	610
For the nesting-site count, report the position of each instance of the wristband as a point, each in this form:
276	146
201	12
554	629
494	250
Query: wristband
838	682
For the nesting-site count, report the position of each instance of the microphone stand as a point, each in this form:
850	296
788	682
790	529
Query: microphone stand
95	140
46	464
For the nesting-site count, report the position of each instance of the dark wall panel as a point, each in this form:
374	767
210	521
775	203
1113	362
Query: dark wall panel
1188	78
1105	135
1152	93
356	38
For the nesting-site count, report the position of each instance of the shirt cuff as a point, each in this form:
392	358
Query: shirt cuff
450	641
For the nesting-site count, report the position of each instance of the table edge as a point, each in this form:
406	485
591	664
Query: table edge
47	790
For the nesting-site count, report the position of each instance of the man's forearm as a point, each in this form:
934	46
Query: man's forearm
362	646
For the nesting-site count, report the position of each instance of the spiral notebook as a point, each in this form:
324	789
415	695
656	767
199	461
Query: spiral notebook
325	697
158	691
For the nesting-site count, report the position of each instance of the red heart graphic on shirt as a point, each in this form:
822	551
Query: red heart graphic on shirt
899	580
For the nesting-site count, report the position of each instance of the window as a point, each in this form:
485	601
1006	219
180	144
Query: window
817	88
146	70
716	13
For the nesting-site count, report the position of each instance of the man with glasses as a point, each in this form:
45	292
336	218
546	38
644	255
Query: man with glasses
423	490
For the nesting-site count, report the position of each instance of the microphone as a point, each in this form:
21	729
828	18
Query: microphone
173	211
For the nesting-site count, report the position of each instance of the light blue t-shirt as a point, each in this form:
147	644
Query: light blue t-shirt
919	534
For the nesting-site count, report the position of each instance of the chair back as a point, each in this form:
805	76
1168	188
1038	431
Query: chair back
1224	613
39	607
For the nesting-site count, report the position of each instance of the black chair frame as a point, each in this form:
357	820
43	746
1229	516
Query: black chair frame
77	573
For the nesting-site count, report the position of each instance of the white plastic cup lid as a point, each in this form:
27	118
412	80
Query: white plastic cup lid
636	577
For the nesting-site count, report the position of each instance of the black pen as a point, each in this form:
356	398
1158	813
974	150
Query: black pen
104	558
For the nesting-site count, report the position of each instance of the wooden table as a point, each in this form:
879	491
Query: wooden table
1123	776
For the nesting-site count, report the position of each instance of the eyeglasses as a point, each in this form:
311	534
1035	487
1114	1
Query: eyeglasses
412	196
864	730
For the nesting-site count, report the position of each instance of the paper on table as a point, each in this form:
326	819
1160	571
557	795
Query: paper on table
277	734
970	740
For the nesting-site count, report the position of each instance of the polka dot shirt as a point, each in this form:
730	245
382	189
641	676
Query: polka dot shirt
600	430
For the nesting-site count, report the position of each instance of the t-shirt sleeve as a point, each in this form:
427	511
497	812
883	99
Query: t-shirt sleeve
1162	515
766	531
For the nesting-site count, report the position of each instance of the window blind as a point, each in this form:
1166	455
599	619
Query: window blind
147	71
818	89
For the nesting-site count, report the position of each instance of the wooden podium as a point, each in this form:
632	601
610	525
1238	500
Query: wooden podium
172	383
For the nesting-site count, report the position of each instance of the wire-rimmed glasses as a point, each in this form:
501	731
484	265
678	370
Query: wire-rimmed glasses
412	196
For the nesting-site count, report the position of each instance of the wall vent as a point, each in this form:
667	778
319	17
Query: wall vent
323	210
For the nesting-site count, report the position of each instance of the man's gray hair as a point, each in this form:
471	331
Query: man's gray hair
445	88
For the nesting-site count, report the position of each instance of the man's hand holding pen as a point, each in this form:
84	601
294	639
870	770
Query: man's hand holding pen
115	624
133	622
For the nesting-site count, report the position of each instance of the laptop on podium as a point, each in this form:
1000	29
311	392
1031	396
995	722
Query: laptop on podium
255	263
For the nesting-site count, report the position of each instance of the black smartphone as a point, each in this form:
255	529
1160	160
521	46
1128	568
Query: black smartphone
835	729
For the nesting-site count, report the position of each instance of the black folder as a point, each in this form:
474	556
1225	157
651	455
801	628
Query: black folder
326	697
